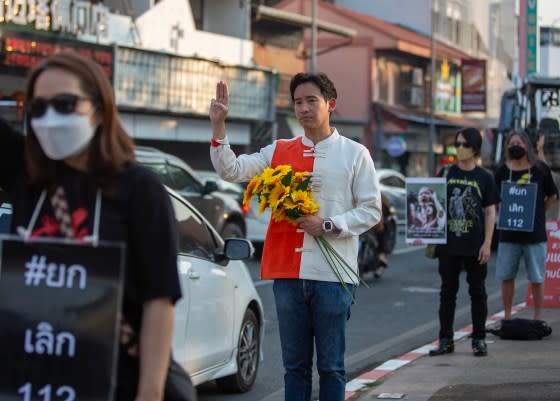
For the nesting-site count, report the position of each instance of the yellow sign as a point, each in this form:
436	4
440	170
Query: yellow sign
444	70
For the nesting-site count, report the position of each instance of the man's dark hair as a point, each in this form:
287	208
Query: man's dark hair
321	80
472	137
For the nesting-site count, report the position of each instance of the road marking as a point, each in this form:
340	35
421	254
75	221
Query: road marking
425	290
407	249
366	379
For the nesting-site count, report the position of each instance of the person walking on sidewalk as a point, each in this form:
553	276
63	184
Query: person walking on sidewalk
311	303
522	166
471	213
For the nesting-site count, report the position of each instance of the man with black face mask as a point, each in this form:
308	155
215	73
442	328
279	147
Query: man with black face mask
524	236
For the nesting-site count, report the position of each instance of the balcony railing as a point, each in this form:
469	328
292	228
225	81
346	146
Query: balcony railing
161	82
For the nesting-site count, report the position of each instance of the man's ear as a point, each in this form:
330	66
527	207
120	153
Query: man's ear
332	104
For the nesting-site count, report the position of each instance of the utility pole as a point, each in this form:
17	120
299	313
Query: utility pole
314	36
432	133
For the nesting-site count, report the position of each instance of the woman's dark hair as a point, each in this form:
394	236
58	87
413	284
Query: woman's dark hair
529	148
110	148
321	80
472	137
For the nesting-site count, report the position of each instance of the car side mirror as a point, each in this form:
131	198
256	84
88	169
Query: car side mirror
209	187
238	248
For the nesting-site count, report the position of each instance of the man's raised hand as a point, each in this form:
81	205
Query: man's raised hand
219	107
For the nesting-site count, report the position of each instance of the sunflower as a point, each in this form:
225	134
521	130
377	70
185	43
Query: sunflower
268	176
251	189
277	195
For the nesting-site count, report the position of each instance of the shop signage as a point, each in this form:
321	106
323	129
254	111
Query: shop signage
71	16
21	50
473	85
59	320
395	146
531	55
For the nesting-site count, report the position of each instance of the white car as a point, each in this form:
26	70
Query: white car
392	184
256	222
219	322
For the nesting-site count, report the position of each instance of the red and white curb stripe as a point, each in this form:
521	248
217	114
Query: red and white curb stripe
364	380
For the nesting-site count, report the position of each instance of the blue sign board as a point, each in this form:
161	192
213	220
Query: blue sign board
395	146
517	209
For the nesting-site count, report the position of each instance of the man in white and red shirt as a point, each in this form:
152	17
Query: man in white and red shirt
311	302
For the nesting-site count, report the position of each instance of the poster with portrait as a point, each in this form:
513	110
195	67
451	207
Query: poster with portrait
426	217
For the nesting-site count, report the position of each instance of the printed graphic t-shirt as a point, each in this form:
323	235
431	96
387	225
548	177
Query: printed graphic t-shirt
468	193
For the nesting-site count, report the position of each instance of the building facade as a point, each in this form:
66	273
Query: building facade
163	69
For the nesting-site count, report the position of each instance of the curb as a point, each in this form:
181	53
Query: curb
363	382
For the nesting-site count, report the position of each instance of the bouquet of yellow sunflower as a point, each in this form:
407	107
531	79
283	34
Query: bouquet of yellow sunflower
284	191
288	195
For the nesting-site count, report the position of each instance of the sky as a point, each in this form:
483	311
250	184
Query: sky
549	12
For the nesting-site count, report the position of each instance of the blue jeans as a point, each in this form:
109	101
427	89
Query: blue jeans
312	310
509	257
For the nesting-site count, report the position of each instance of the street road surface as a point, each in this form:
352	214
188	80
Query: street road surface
396	314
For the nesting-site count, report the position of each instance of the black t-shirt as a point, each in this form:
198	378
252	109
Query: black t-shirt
137	211
539	174
468	193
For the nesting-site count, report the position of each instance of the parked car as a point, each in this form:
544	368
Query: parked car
233	189
223	212
392	185
219	321
256	222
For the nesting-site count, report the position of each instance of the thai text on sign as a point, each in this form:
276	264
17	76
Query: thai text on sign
59	309
71	16
517	207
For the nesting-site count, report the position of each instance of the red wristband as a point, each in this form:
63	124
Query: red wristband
214	143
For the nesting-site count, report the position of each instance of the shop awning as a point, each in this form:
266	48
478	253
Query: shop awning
276	14
422	117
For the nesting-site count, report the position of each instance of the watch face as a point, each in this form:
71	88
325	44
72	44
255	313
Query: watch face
327	226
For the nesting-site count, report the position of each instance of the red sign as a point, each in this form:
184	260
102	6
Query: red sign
22	50
552	272
473	85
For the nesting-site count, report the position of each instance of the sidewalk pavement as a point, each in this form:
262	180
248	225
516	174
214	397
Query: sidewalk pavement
512	371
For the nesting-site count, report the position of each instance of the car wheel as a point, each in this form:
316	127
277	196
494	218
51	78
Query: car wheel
247	357
390	236
232	230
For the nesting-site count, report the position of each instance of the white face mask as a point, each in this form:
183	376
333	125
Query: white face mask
62	135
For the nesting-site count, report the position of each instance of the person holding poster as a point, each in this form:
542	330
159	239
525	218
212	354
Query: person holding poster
527	191
471	213
74	176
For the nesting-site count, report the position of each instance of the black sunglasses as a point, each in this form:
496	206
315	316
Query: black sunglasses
65	103
462	144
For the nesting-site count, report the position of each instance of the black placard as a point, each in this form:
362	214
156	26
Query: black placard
59	309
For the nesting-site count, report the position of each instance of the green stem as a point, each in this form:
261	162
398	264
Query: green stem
331	264
344	265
